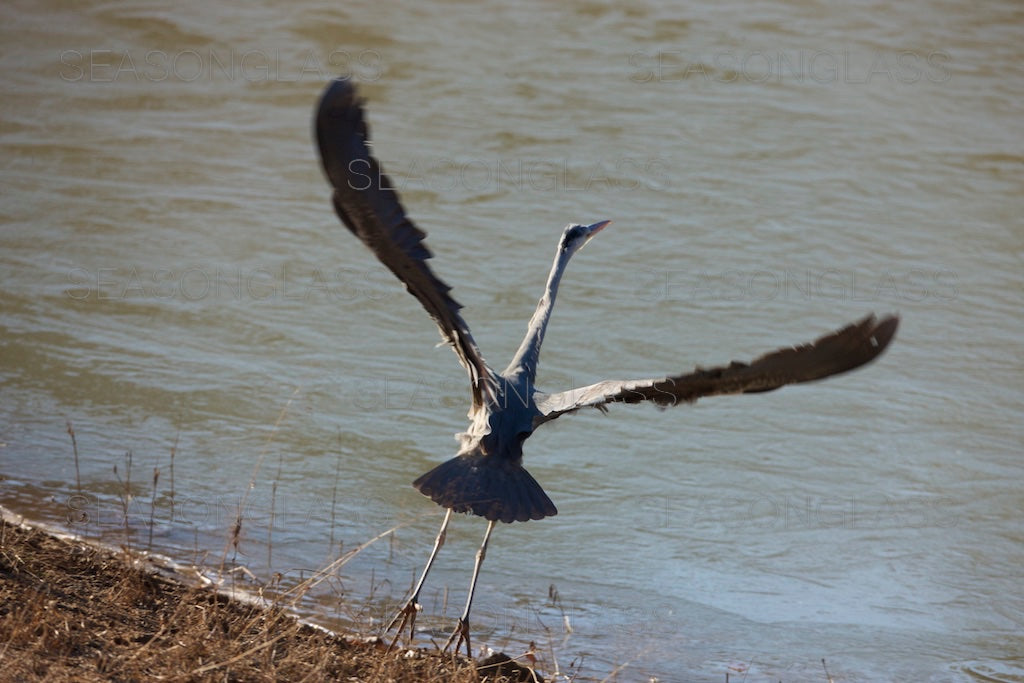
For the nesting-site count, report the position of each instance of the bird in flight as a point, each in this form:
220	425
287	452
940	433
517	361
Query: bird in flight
486	477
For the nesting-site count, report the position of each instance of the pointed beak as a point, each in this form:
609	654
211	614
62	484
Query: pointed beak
597	227
594	229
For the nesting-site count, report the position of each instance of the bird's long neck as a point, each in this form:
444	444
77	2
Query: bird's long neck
529	350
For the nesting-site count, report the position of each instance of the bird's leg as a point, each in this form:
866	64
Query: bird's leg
407	615
461	632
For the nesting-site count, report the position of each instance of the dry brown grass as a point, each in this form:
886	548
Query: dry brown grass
70	611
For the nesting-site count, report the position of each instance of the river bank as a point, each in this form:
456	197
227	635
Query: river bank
75	611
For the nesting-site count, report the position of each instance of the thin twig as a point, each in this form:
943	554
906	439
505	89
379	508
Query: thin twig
174	450
126	496
334	496
74	447
321	575
827	674
152	508
239	657
236	528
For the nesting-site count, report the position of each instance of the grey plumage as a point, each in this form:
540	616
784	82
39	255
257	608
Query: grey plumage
486	476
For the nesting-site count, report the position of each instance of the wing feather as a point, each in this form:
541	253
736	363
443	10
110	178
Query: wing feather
368	205
840	351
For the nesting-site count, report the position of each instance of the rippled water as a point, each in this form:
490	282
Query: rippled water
174	281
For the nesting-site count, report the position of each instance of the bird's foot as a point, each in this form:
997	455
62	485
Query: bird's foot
459	636
406	615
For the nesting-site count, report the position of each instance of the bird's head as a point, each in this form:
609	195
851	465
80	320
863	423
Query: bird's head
576	236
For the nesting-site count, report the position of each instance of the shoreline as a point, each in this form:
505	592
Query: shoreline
76	610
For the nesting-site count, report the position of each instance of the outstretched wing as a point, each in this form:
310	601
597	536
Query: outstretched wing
369	206
832	354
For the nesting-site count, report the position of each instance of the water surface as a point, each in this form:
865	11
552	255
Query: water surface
174	280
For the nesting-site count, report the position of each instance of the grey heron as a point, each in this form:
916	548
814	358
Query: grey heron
486	477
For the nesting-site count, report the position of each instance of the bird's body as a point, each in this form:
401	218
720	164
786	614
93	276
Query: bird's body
486	477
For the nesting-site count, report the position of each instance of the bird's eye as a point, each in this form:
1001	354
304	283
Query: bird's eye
572	237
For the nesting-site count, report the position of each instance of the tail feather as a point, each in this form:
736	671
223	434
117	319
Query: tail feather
490	487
